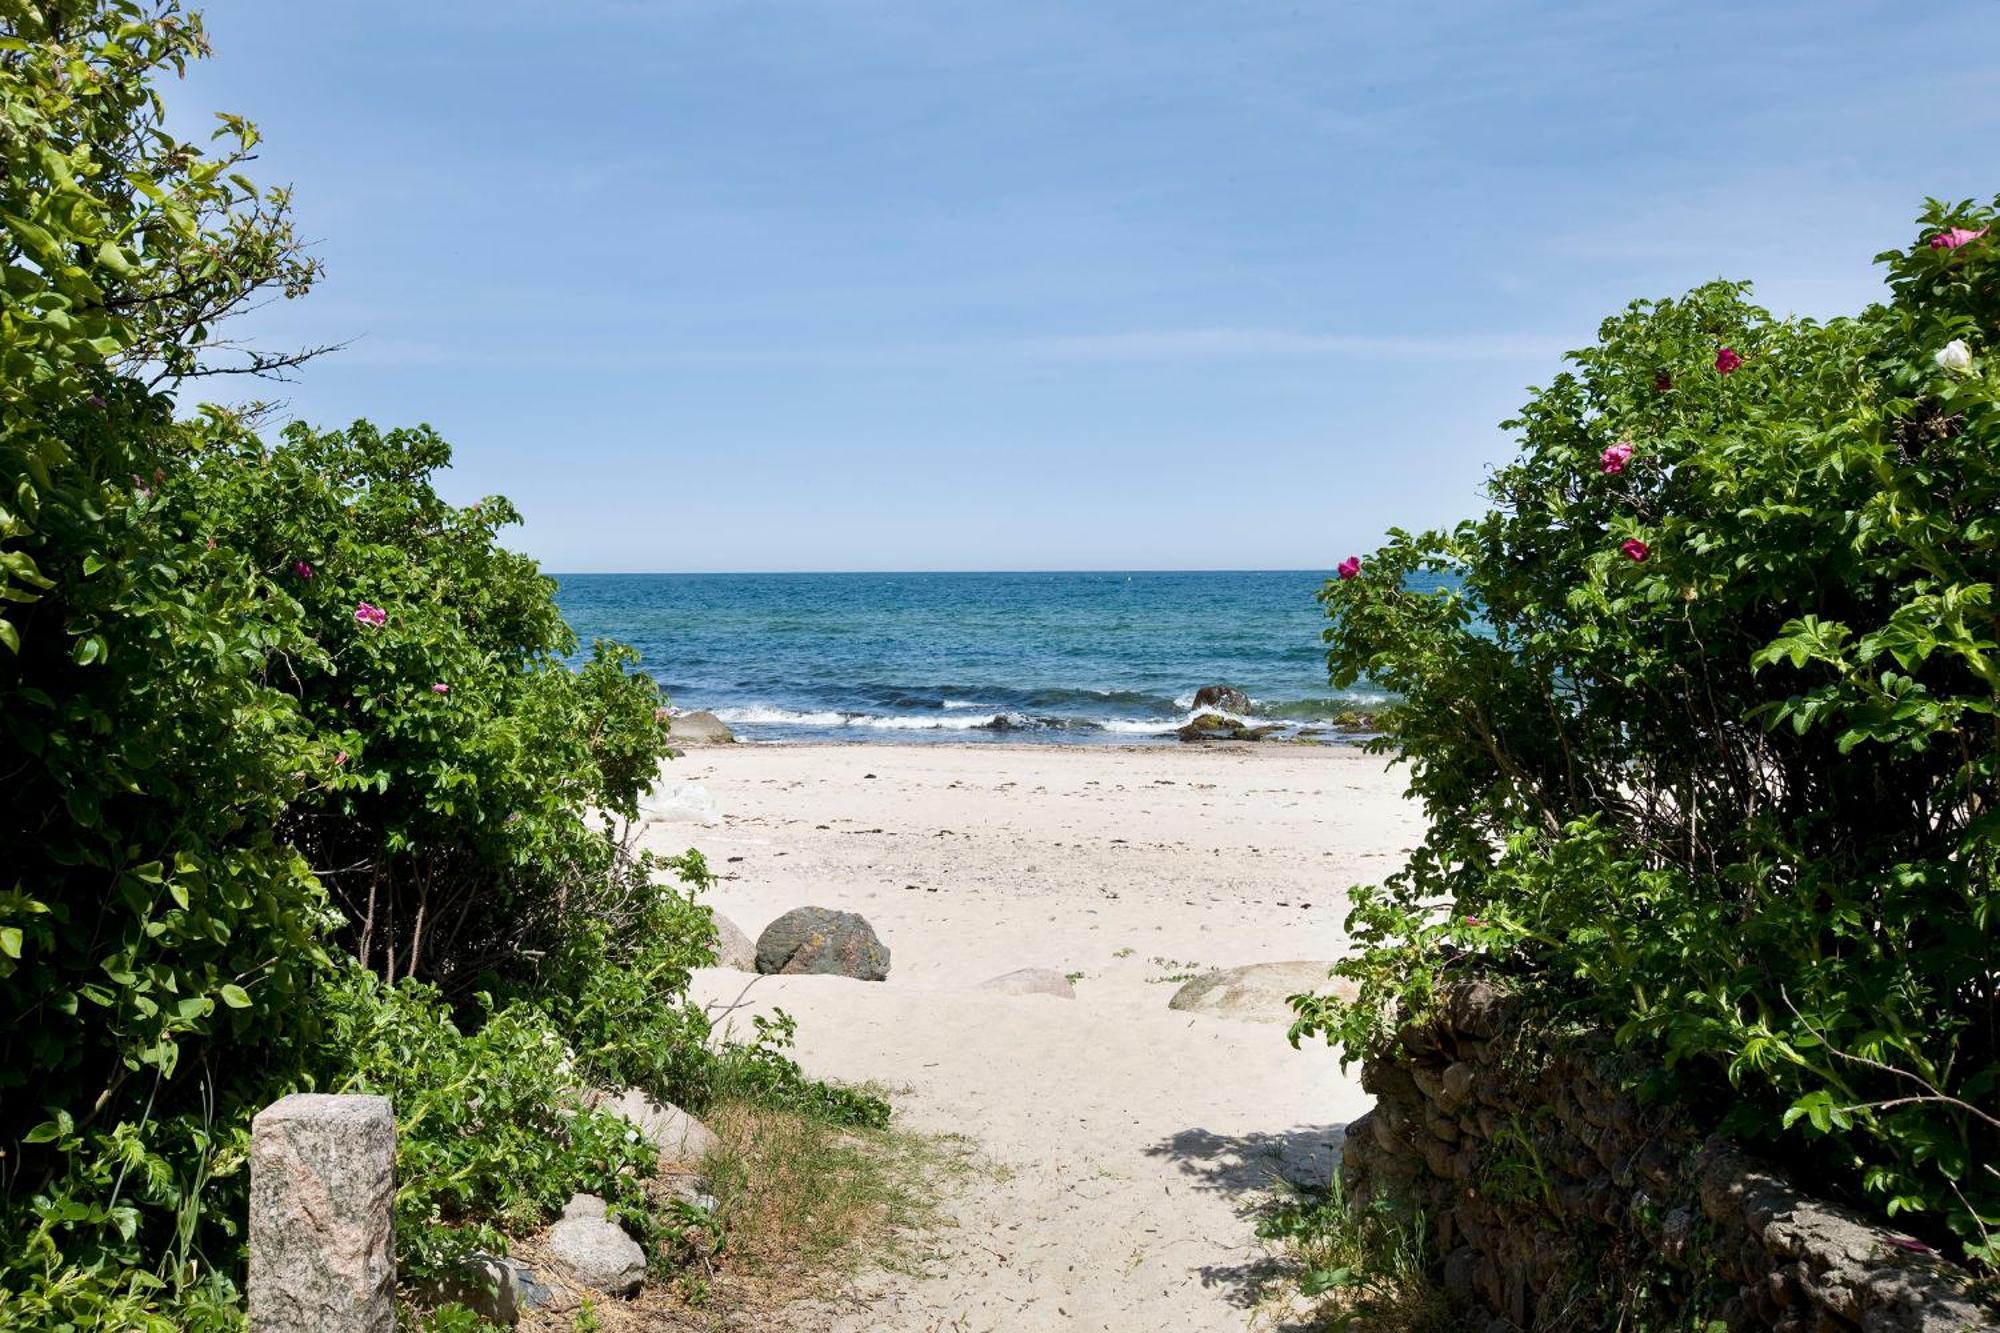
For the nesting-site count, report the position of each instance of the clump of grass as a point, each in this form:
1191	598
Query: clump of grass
803	1204
801	1200
1358	1268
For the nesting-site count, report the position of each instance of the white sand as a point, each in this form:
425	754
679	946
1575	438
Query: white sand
1131	1136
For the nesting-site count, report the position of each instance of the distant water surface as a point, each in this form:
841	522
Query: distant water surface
1059	657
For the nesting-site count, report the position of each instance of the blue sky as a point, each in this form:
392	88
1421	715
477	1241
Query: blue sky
917	284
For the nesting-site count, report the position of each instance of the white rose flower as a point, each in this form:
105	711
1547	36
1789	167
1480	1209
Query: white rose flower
1955	356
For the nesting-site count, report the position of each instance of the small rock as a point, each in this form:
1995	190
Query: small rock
1031	981
822	942
597	1253
694	1191
1257	991
497	1289
700	728
732	947
679	1136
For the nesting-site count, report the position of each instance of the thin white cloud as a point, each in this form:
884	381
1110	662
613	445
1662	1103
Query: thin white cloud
1256	343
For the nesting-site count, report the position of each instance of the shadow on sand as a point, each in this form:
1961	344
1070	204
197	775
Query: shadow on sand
1253	1168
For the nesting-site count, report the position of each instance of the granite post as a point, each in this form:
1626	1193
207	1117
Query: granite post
322	1201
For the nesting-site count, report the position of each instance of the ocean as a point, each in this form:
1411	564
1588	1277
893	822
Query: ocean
1066	658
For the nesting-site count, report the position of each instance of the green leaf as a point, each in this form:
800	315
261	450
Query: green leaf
235	996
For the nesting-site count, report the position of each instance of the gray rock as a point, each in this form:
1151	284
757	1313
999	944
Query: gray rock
597	1254
679	1136
1258	991
700	728
1223	698
732	947
585	1205
322	1200
822	942
497	1289
1031	981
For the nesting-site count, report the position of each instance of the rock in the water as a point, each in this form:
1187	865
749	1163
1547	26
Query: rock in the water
497	1289
679	1136
732	947
1224	698
597	1253
821	941
1032	981
1257	991
700	728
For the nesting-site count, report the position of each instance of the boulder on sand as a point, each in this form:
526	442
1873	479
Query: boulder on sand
1222	698
1031	981
732	947
699	728
1257	991
820	941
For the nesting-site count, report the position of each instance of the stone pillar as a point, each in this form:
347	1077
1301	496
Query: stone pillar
322	1201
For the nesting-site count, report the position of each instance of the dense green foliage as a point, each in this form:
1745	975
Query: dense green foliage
297	788
1703	714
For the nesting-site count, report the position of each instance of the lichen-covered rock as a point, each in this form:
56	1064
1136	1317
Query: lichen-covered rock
1031	981
1258	991
322	1201
678	1136
595	1252
732	947
822	942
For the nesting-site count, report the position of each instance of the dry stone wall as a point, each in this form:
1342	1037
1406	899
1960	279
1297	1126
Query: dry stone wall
1554	1197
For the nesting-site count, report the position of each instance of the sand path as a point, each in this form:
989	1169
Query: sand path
1128	1137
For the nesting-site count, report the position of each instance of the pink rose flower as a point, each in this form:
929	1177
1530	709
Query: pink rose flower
1614	459
661	715
373	616
1727	360
1475	921
302	568
1349	567
1636	550
1954	237
440	688
340	759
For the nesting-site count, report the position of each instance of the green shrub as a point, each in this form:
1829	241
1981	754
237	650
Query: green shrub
1703	714
492	1136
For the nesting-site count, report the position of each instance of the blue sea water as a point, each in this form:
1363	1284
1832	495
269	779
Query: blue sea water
1061	657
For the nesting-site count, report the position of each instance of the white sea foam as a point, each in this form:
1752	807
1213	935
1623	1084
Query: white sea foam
757	713
1141	726
921	723
959	703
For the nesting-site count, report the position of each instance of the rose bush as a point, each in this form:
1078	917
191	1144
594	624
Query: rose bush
1709	739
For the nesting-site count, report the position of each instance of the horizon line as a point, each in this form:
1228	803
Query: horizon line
794	573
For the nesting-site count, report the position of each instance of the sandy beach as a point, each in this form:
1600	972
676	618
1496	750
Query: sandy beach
1126	1138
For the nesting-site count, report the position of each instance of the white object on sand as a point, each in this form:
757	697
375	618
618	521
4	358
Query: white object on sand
679	803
